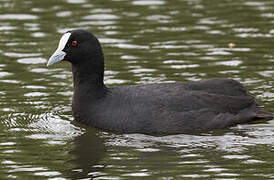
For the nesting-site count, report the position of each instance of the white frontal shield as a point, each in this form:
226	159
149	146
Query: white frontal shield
59	54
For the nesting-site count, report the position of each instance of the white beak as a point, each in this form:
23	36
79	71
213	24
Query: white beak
56	57
59	54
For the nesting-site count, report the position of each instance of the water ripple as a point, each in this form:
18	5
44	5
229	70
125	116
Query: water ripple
148	3
36	60
20	55
100	17
230	63
18	17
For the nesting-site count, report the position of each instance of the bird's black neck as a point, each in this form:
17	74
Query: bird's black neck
88	79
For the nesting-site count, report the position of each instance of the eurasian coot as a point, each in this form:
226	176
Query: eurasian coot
165	108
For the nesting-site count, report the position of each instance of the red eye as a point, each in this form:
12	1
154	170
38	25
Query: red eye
74	43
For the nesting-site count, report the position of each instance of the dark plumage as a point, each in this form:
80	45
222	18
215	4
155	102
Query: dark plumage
170	108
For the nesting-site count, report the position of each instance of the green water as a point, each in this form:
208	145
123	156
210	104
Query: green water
144	42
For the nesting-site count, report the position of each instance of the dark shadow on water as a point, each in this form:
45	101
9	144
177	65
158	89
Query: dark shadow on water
88	150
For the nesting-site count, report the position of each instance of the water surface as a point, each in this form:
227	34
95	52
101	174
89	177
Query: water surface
144	42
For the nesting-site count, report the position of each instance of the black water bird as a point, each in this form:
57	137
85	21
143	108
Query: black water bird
165	108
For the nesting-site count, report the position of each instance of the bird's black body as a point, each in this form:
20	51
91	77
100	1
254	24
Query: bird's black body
168	108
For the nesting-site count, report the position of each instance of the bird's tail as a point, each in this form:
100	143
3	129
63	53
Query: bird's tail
263	114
